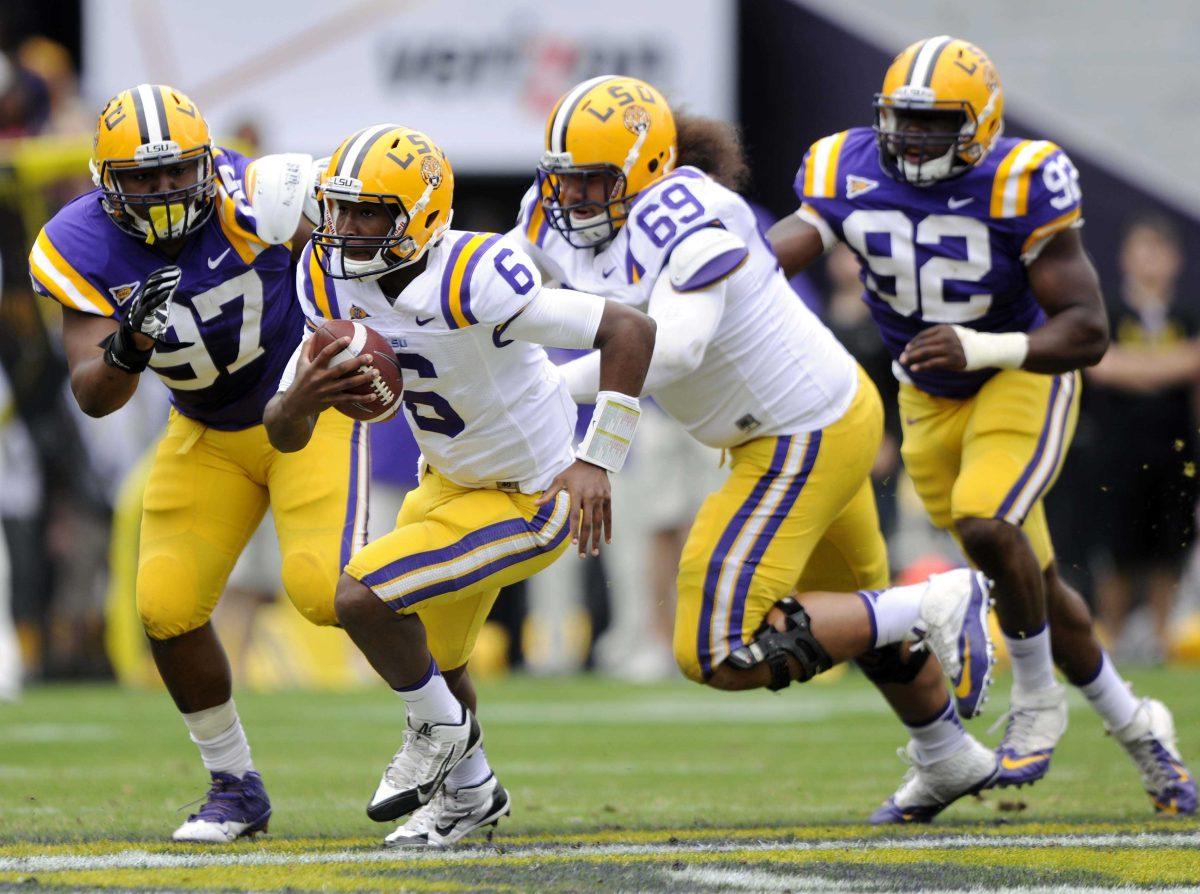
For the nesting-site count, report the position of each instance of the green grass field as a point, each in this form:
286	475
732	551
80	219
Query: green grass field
615	786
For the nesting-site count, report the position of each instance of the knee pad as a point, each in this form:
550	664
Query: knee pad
310	585
887	665
168	599
773	647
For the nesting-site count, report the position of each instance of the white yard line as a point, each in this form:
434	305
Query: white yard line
235	856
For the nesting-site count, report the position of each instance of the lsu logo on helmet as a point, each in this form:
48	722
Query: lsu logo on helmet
940	111
404	174
141	131
607	139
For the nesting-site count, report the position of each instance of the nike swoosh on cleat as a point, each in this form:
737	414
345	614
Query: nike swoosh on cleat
445	831
1009	763
437	779
963	689
421	322
214	263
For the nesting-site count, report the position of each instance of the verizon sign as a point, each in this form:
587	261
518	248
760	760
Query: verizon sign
479	76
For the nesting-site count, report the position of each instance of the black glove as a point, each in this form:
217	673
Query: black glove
147	315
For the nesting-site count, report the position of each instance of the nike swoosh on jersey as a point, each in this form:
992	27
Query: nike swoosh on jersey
960	203
214	263
421	322
607	273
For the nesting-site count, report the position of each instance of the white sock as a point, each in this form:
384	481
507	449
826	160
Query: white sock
1032	663
893	611
471	770
222	741
430	699
1110	695
940	737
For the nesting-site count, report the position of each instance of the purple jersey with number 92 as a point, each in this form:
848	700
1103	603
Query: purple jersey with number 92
953	252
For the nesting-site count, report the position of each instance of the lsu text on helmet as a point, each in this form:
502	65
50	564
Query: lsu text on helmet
152	156
406	177
940	111
607	139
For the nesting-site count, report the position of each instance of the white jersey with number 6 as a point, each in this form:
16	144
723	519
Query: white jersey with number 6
485	409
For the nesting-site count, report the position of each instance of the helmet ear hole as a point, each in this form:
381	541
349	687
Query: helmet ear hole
433	215
653	165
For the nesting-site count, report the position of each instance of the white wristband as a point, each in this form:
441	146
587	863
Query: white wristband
611	430
992	350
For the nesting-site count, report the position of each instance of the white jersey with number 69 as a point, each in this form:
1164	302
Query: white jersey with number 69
771	367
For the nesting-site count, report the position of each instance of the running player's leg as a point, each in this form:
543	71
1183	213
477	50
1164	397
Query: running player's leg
452	545
319	501
472	796
1019	429
1144	727
200	507
751	543
948	763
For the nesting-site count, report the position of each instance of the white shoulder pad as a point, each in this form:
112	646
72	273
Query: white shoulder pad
704	257
278	191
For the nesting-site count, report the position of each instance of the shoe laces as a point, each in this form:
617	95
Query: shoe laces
223	794
426	817
416	749
1018	726
1155	763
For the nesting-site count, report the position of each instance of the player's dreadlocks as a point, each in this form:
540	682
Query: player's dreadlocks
714	147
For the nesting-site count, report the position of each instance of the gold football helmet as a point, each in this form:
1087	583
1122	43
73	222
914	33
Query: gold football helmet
940	112
607	139
141	131
408	176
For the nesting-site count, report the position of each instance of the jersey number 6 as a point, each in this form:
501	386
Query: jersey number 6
444	420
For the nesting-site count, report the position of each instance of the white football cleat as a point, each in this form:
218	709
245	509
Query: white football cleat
451	816
954	626
928	789
430	751
1150	740
1036	720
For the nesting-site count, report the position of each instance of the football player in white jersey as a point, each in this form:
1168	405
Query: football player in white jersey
501	485
743	365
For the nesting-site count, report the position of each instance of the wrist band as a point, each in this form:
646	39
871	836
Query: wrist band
992	350
611	431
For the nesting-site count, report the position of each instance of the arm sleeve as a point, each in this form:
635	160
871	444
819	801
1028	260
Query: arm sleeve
559	318
686	323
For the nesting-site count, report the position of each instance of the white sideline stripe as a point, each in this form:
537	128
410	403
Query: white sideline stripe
139	859
721	879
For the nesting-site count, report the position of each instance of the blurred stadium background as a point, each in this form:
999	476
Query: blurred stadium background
480	76
583	753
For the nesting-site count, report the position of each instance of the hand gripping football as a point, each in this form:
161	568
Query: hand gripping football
387	387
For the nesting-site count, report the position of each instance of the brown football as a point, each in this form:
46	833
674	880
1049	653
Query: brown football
364	340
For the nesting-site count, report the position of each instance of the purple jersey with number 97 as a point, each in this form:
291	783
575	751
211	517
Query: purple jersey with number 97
953	252
234	318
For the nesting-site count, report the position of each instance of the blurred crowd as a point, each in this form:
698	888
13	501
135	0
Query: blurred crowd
1123	513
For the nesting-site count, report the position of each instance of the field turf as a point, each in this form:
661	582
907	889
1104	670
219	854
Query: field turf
615	787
